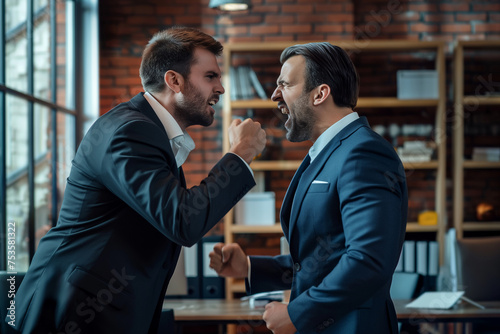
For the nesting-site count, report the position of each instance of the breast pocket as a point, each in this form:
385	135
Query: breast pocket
319	187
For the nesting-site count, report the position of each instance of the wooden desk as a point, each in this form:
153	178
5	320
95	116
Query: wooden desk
239	312
213	310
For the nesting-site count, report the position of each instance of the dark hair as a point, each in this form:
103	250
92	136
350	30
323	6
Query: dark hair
172	49
331	65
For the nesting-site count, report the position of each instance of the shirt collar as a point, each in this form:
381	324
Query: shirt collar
180	141
329	133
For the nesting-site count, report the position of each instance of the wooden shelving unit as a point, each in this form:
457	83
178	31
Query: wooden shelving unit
460	164
439	105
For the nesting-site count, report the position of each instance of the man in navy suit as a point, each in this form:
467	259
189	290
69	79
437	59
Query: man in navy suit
105	266
344	213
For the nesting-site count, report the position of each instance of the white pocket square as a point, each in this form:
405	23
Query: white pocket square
319	182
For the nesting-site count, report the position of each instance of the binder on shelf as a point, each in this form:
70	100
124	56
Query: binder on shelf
422	257
399	266
212	286
409	256
192	273
433	258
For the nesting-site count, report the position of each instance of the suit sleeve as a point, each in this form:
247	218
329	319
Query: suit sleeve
141	170
373	203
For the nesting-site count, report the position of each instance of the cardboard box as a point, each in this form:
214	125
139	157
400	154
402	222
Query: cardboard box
256	209
417	84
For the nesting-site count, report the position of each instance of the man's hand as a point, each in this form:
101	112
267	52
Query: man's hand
247	139
229	260
277	319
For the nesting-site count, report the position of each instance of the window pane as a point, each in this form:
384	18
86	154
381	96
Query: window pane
41	56
15	56
16	134
65	150
16	13
43	171
17	175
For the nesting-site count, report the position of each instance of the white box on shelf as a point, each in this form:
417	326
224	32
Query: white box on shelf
256	208
417	84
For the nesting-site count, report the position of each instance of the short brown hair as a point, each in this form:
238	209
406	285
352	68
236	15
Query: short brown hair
172	49
331	65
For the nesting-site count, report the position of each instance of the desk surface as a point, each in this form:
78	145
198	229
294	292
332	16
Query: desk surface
223	311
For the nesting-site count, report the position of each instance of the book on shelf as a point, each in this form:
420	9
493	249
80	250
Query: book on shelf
415	151
245	84
486	154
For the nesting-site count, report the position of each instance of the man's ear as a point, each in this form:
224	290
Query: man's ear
320	94
174	80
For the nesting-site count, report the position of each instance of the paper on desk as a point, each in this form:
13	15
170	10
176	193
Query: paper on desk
437	300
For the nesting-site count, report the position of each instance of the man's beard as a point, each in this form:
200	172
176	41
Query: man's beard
302	120
193	109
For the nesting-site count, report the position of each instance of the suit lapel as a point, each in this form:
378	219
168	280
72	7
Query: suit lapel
302	183
142	105
287	201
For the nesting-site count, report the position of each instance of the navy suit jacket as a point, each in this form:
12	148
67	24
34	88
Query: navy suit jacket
126	212
345	220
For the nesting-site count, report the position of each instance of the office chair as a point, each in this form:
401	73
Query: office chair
5	296
478	273
405	285
478	267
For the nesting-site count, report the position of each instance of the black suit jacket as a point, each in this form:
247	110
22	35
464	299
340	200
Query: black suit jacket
126	212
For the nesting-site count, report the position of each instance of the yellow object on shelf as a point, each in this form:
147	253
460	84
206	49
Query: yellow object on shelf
428	218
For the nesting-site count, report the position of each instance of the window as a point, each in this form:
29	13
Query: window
39	121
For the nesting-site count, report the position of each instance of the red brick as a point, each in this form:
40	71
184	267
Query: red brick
329	8
423	27
438	18
249	19
422	7
281	19
471	17
454	7
187	20
265	29
126	61
329	28
112	91
406	17
487	27
237	30
340	18
487	7
266	9
279	38
456	28
297	9
296	28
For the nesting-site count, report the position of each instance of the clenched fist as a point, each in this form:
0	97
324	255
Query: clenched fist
247	139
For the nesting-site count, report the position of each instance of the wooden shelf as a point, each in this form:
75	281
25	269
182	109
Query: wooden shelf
481	226
470	164
473	100
240	229
273	49
416	227
363	102
463	103
433	164
260	165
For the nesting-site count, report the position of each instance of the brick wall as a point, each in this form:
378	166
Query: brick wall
127	25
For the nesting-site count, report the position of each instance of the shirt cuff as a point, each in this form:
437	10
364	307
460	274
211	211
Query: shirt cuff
248	166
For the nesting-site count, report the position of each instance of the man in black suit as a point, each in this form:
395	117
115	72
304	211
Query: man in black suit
105	266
